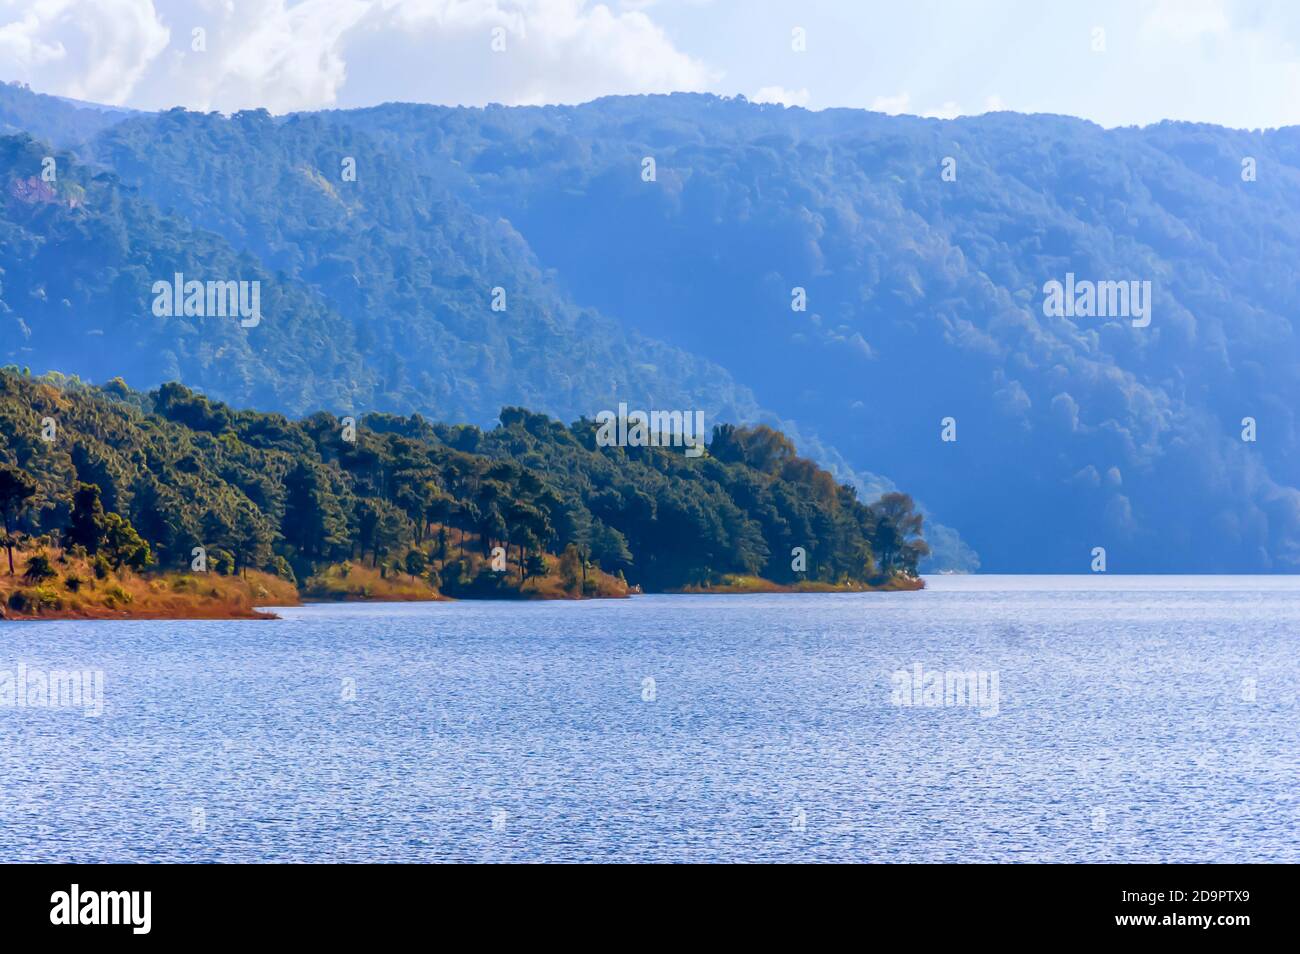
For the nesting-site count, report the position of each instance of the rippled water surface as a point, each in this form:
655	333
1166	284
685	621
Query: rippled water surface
1137	719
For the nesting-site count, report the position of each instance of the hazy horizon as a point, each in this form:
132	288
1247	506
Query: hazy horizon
90	104
1234	63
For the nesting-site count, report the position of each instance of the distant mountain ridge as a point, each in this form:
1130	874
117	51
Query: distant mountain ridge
58	120
924	294
386	244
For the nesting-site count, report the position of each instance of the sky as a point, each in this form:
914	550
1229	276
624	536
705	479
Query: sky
1116	62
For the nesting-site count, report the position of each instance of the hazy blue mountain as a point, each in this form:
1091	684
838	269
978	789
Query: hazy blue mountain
402	246
925	296
78	259
409	267
925	299
54	119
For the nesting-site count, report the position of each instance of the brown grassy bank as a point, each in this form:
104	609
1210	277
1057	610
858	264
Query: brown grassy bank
467	576
737	583
76	592
71	589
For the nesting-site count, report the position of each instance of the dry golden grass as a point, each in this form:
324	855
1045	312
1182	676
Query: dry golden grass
740	583
600	585
356	581
129	595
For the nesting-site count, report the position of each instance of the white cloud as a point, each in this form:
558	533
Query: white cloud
779	94
948	110
1185	20
257	53
556	51
305	54
893	105
22	45
1230	61
902	104
87	49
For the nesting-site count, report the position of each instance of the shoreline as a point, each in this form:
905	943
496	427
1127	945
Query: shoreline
263	608
124	596
61	586
736	585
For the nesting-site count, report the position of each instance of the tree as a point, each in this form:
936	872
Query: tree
221	561
123	546
527	544
609	548
896	539
528	529
536	565
86	525
178	403
760	447
253	542
438	510
15	490
464	517
313	524
260	490
380	527
491	526
571	569
159	515
415	563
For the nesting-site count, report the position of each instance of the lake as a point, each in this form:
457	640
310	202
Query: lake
1103	719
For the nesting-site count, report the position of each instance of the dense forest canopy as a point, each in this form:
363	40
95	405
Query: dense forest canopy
923	293
146	478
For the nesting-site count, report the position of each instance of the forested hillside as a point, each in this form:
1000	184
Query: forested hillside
921	247
409	267
925	299
146	478
358	315
51	118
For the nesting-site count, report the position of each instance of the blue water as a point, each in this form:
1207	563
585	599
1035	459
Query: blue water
1138	719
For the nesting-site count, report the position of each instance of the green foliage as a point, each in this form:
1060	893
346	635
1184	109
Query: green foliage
123	546
50	117
375	291
281	568
571	569
34	600
116	594
415	563
536	564
260	491
39	569
433	576
221	561
109	535
897	535
16	489
85	527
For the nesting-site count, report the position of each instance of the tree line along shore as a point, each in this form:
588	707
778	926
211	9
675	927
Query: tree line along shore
124	504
